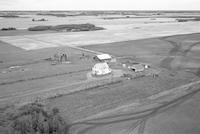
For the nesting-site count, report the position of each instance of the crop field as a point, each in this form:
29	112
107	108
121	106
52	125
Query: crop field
115	31
172	52
33	71
154	51
29	71
180	63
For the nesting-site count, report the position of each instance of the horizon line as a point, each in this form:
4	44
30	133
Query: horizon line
104	10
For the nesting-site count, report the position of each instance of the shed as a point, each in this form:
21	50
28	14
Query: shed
103	57
137	67
101	69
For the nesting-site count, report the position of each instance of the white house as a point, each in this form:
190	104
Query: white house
101	69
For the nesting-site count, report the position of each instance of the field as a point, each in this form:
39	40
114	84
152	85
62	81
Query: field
174	52
28	73
179	65
182	68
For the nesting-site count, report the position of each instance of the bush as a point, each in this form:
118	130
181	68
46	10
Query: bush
35	119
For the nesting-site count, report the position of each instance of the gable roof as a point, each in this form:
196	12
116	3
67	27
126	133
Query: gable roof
104	56
101	66
138	67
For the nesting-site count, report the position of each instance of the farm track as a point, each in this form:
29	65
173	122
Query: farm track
140	117
176	51
60	44
66	89
28	93
24	64
53	43
42	77
47	76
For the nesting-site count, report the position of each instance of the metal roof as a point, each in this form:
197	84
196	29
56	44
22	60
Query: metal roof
104	56
137	67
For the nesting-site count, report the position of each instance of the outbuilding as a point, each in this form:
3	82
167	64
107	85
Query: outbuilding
100	69
137	67
103	57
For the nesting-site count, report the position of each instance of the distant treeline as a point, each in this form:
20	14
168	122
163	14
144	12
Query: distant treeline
8	29
12	16
53	14
67	28
188	19
78	13
9	16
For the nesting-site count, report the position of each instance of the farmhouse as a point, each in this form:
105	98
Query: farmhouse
101	69
103	57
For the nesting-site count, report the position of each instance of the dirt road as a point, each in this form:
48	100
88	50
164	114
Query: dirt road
138	114
177	51
64	89
63	44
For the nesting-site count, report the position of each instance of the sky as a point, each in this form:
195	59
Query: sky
99	4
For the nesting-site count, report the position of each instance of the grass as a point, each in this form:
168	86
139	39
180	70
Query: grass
100	98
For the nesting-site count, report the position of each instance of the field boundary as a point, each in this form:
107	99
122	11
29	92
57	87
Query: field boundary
150	102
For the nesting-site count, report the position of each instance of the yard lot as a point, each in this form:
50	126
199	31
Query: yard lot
171	52
34	72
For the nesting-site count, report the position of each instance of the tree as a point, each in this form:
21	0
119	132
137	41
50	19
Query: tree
35	119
